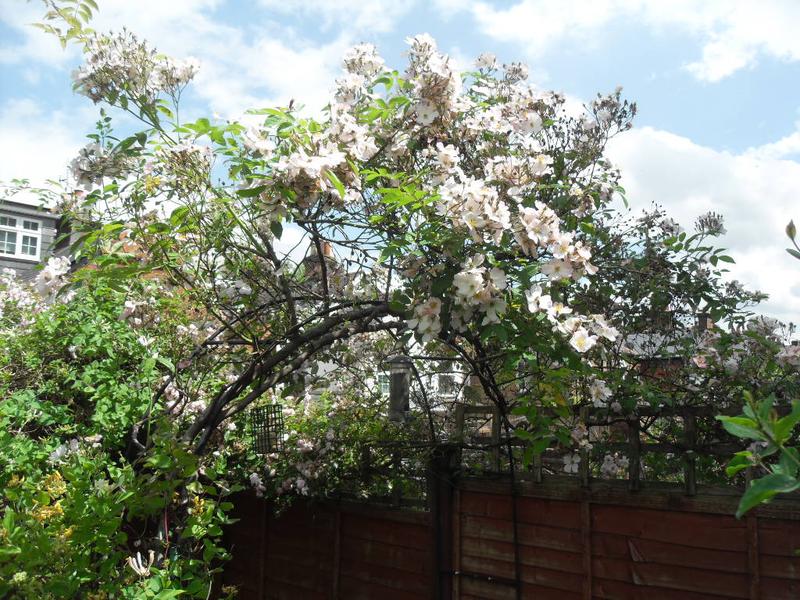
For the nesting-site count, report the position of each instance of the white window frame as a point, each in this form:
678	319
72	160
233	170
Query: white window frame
384	383
21	231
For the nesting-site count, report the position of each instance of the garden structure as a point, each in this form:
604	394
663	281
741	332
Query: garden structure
491	537
536	533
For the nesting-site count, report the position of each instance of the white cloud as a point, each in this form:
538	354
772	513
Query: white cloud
357	16
539	25
256	64
36	45
733	33
741	31
38	143
293	243
756	195
786	147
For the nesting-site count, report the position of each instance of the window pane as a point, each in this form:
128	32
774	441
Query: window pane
8	222
30	225
447	384
383	384
8	242
29	244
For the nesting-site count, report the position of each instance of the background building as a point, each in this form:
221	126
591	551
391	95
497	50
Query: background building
27	236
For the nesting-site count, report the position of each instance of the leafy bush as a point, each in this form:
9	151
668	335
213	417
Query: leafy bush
77	511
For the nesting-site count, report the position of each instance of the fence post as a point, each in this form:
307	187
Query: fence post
337	552
537	468
441	473
635	453
461	411
397	468
583	466
496	438
265	512
753	570
366	465
586	542
690	456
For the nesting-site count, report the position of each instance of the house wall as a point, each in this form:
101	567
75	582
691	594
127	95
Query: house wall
26	269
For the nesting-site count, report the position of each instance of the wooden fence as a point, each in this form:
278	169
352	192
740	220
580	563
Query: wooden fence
554	539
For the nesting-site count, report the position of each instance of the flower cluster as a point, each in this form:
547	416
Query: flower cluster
307	172
572	462
346	131
16	297
183	167
121	64
710	223
171	75
436	84
584	331
63	451
599	392
478	289
426	320
51	278
362	64
94	163
539	232
257	483
614	466
471	204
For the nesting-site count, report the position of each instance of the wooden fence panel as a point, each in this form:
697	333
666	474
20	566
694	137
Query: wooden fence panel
329	551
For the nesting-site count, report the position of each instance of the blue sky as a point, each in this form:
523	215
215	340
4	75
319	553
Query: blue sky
717	83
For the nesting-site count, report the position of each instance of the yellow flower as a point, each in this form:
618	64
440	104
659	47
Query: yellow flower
198	504
14	481
55	485
151	184
43	513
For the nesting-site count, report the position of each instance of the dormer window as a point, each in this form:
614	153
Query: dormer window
20	237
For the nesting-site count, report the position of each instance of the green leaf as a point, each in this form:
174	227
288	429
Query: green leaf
441	284
765	408
740	461
166	363
336	183
741	427
168	594
251	192
541	445
276	228
793	252
496	330
7	551
783	427
765	488
788	463
8	520
179	215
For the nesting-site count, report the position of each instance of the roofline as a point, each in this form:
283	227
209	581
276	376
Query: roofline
28	209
